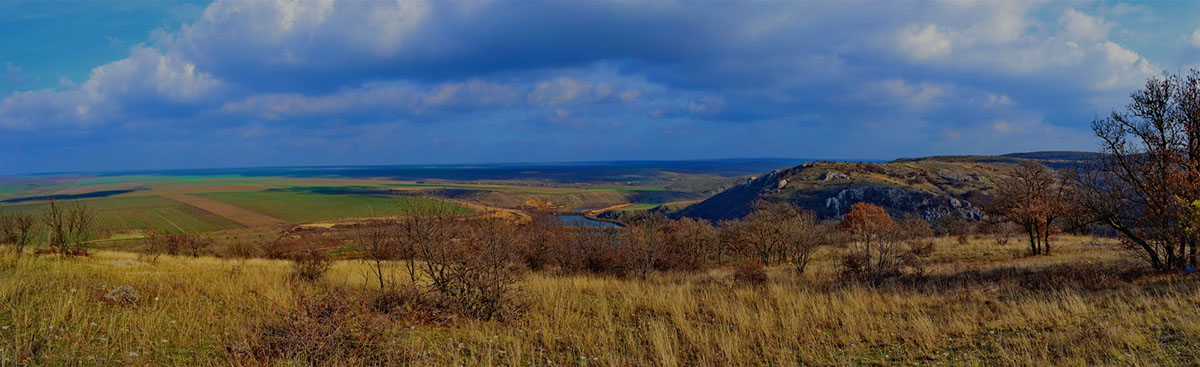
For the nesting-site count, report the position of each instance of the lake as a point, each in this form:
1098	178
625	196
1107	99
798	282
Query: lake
577	220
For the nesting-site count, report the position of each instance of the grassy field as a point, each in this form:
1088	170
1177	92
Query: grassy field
979	305
310	207
144	212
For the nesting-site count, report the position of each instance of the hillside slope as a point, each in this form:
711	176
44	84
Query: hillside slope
930	187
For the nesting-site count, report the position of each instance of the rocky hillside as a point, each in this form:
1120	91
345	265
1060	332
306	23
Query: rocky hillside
930	187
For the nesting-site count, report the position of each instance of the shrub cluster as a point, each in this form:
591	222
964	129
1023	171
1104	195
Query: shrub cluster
329	328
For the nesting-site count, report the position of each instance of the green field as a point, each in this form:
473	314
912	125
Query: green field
312	207
145	212
628	188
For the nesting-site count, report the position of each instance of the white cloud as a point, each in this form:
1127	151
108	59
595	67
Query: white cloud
299	32
1075	51
900	93
925	42
997	101
1195	38
147	76
1080	26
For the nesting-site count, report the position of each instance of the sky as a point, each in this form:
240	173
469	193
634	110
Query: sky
136	84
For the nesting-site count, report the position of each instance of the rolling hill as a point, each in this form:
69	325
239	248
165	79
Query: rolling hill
930	187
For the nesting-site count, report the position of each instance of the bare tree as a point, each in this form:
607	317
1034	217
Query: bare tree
781	232
69	226
1148	180
544	236
17	229
766	230
380	246
1032	198
697	238
646	244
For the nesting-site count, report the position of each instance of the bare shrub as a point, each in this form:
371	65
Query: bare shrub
155	247
645	244
921	247
750	272
194	245
1004	233
472	265
778	232
917	233
410	304
694	243
176	244
590	251
956	226
240	251
877	251
544	236
310	265
482	283
331	328
124	295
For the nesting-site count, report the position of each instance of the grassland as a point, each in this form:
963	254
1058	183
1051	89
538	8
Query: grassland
980	304
309	207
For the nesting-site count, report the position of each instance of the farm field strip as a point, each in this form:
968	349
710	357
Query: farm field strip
303	207
146	212
234	213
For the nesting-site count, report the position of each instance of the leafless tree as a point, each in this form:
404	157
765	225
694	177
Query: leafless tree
380	246
69	226
1147	184
646	243
17	229
781	232
697	238
544	236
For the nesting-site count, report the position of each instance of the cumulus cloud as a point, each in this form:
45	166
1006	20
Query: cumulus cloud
148	84
308	65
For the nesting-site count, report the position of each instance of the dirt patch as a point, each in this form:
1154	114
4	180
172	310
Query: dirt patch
235	213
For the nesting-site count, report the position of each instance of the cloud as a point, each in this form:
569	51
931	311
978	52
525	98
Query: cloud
148	84
925	42
327	70
1080	26
899	93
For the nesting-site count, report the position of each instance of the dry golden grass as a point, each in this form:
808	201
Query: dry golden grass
979	305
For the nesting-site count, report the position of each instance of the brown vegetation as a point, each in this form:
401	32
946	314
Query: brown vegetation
1033	198
17	229
1147	186
69	227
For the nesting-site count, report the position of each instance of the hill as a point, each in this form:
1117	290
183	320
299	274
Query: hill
930	187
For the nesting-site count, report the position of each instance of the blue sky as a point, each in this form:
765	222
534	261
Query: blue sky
89	85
